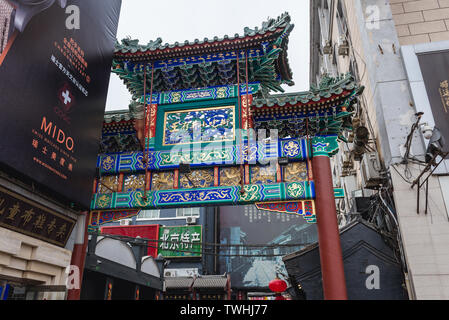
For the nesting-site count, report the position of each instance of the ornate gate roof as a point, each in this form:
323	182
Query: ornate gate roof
209	62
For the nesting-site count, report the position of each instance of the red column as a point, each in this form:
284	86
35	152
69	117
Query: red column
148	181
120	182
216	174
79	254
334	283
137	294
229	287
176	179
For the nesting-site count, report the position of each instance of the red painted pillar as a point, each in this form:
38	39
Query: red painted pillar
79	254
334	283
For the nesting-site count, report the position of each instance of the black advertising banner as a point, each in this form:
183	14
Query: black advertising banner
435	71
55	62
25	216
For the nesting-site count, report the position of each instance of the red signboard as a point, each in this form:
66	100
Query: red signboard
150	232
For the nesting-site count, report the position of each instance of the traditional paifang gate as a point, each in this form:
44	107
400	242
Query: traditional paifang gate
206	146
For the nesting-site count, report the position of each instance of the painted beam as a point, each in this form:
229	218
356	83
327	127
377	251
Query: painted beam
214	196
294	149
193	95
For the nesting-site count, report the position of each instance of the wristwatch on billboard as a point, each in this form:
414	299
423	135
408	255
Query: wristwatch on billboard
16	14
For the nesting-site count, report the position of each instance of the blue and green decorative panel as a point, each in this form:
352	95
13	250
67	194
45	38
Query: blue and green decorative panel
205	157
104	201
294	149
123	162
205	125
186	197
246	153
196	124
209	93
131	162
108	163
209	155
304	190
339	193
267	152
298	190
325	146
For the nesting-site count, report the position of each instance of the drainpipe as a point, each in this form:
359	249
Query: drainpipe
79	254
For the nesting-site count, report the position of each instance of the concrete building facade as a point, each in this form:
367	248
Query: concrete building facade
30	264
380	43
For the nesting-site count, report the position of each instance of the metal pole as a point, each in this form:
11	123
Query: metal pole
247	93
242	171
427	195
417	197
147	123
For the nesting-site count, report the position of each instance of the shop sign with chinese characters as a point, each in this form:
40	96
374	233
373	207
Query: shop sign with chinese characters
22	215
182	241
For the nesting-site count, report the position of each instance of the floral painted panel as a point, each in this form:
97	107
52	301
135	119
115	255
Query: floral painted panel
162	180
263	175
230	176
296	171
134	182
108	184
201	178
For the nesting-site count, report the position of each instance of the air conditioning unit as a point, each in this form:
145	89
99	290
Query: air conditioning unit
370	168
328	49
343	47
124	222
191	220
170	273
347	163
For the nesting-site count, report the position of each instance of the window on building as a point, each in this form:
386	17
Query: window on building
148	214
188	212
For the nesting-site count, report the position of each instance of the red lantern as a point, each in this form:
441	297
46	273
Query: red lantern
280	297
277	285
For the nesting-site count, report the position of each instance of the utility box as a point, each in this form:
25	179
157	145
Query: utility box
370	168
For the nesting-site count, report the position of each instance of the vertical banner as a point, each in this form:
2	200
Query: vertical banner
55	64
245	105
150	126
153	119
435	71
147	126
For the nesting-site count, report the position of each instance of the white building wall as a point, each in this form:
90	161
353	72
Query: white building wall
393	94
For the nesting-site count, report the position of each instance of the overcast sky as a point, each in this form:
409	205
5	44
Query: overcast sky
180	20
